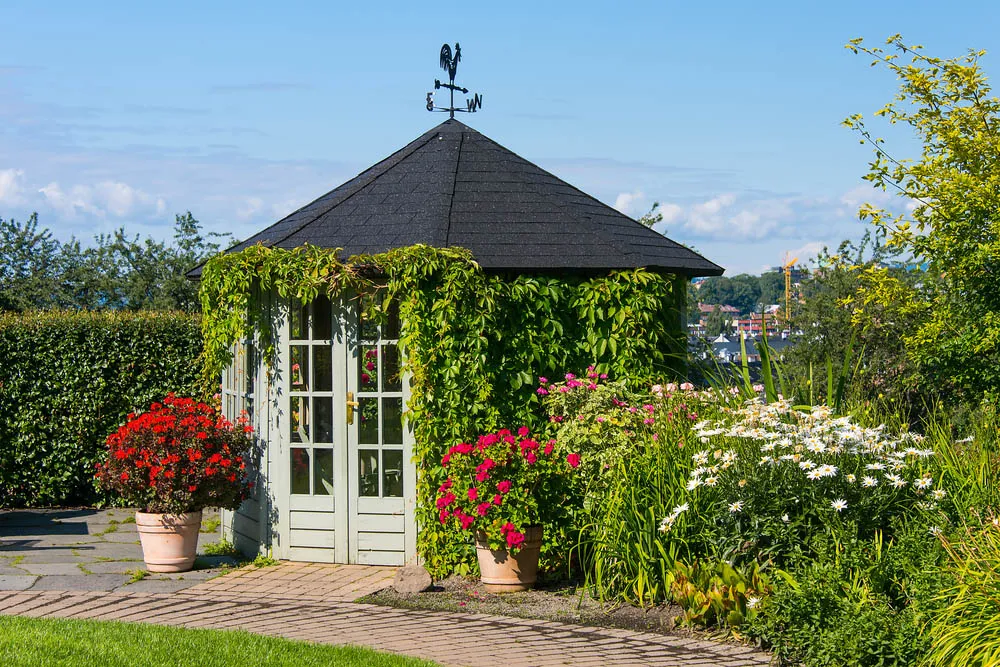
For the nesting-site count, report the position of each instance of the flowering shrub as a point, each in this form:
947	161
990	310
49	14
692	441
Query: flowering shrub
769	477
502	484
180	456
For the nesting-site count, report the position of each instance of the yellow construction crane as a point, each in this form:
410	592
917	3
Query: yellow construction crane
787	269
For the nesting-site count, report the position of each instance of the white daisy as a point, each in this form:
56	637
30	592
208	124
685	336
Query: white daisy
693	484
711	481
807	464
827	470
875	466
869	482
839	504
736	507
851	479
938	494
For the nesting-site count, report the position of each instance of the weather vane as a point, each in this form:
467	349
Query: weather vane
449	64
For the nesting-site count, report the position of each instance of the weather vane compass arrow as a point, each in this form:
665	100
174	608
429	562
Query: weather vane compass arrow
449	63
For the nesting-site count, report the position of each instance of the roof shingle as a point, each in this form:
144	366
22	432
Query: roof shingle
453	186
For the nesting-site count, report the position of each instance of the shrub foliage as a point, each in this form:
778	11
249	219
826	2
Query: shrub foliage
67	380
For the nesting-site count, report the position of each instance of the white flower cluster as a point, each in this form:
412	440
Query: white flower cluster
810	442
668	521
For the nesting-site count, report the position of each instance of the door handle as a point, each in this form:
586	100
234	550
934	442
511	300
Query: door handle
351	405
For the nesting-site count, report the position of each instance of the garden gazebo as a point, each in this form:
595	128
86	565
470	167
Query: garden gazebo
338	481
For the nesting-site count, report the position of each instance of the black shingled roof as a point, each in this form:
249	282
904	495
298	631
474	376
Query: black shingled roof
453	186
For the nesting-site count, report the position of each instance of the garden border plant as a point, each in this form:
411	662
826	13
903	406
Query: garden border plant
473	342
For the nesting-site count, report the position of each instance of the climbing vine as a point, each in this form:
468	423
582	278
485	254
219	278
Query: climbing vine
474	343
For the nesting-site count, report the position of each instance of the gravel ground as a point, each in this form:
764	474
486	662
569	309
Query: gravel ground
555	601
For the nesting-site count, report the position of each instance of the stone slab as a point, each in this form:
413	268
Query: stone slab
108	550
46	569
10	570
80	582
64	540
115	566
16	582
43	556
122	537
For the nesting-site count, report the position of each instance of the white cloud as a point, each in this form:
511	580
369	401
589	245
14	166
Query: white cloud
626	202
250	208
807	252
101	200
11	185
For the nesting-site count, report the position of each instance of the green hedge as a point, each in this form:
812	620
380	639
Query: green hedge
67	379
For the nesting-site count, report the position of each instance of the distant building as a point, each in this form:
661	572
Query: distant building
754	326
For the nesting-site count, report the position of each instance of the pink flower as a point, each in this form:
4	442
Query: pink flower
504	486
573	460
497	499
671	387
482	509
686	386
506	528
443	516
591	386
473	493
570	376
514	539
600	420
604	376
523	432
541	392
549	446
542	380
446	500
445	459
466	521
530	457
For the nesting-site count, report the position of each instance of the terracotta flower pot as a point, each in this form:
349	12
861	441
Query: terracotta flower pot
169	541
502	572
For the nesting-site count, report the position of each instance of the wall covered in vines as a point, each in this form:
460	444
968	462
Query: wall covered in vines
474	343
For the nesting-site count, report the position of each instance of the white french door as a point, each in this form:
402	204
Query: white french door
342	468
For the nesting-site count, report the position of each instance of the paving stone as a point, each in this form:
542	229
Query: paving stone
114	566
155	586
51	555
108	550
47	569
16	582
80	582
122	537
65	540
10	570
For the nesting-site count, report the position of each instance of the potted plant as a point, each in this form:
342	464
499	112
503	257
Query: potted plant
495	490
171	462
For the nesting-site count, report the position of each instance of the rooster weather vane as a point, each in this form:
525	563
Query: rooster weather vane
449	63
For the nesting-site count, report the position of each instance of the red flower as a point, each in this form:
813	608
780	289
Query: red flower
573	460
549	446
514	539
497	499
473	493
482	509
504	486
523	431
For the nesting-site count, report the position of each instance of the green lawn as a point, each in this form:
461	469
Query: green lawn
32	641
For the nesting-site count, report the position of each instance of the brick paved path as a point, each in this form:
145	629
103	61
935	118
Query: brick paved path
448	638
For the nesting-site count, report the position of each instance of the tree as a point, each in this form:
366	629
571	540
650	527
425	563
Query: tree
716	323
116	271
29	265
653	216
953	229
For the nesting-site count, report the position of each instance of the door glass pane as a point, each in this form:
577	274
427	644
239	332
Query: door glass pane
368	368
368	328
322	368
323	411
322	472
322	319
299	418
392	421
300	470
368	472
299	367
368	426
392	473
297	320
390	368
391	328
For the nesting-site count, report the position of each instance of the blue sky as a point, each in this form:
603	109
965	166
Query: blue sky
728	113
